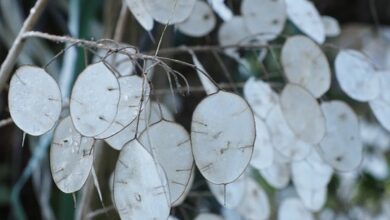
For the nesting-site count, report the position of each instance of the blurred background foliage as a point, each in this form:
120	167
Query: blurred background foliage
24	171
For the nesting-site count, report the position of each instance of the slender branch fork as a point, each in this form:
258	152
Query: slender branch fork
17	46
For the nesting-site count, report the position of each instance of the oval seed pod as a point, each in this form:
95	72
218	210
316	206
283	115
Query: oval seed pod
283	139
341	147
292	208
94	100
139	191
150	113
208	216
332	26
187	189
263	152
356	75
34	100
303	114
229	195
381	105
306	17
71	157
169	11
260	97
171	147
264	17
221	9
255	204
313	200
277	175
201	21
138	10
222	136
311	173
306	65
133	89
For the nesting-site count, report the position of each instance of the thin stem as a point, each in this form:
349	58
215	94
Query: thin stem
17	46
5	122
121	23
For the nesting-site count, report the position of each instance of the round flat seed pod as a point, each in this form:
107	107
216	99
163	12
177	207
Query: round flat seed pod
306	17
187	189
293	208
381	105
169	11
332	26
122	64
264	17
222	137
208	216
260	96
341	147
150	113
311	173
283	139
233	32
71	157
263	152
229	195
306	65
255	204
313	200
277	175
356	75
201	21
167	139
220	7
303	114
143	17
132	90
34	100
94	100
139	192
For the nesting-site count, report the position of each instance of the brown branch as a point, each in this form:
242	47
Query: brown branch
17	46
121	23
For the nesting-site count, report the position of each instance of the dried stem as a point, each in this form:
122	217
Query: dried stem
17	46
121	23
5	122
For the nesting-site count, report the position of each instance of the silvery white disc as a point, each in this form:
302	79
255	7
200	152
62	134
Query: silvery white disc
277	175
71	157
264	17
306	65
169	11
311	173
187	189
34	100
260	96
255	204
94	100
201	21
229	195
381	105
167	139
341	147
302	113
293	208
139	191
263	152
306	17
356	75
132	90
208	216
150	113
283	139
313	200
222	137
138	10
331	26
